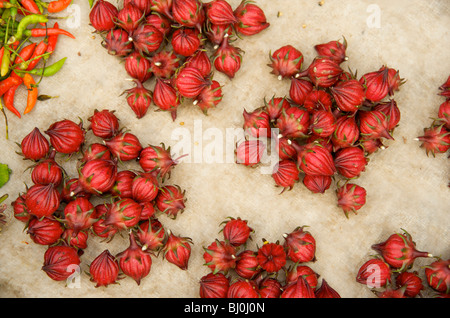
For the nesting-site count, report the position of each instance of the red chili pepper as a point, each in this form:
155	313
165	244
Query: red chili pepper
8	99
47	32
25	53
30	6
41	48
29	82
58	5
52	40
9	82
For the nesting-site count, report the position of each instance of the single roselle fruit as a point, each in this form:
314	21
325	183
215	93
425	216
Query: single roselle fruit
227	59
78	215
350	162
201	61
285	148
209	97
163	64
104	269
134	262
42	200
190	82
346	133
322	123
257	123
438	275
151	235
399	251
104	124
392	112
45	231
166	97
412	282
103	15
293	122
143	5
214	286
334	50
66	136
106	232
444	113
122	184
250	152
72	189
251	19
60	262
161	22
146	38
129	17
325	291
96	151
318	99
296	271
77	240
20	209
124	146
275	107
97	176
351	197
220	256
138	67
162	6
316	160
243	289
123	214
188	13
349	95
186	41
300	246
118	43
148	210
247	265
435	139
376	84
145	187
269	288
317	184
177	250
157	159
394	80
391	293
139	99
236	231
324	71
171	200
217	33
371	145
286	62
271	257
299	90
47	171
375	273
298	289
34	145
286	174
373	124
220	12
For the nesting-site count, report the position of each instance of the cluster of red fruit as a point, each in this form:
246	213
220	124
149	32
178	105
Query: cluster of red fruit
390	274
328	126
61	212
182	66
239	272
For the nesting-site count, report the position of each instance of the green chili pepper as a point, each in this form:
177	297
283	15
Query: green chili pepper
13	9
24	23
4	66
49	70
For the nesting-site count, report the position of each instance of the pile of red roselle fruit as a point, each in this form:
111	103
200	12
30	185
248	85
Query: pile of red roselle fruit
391	273
328	126
176	42
108	197
274	270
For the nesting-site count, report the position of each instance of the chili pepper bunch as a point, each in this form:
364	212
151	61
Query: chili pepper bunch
21	22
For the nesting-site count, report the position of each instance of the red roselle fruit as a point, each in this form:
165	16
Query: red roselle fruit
66	136
123	214
166	97
220	12
350	162
374	273
247	265
373	124
138	67
163	64
311	277
376	84
104	124
299	89
177	250
190	82
45	231
186	41
285	148
60	262
243	289
322	123
161	22
46	172
236	231
118	43
96	151
129	17
103	15
257	123
394	80
275	107
145	187
444	113
399	251
143	5
269	288
412	282
139	99
445	89
209	97
435	139
317	184
349	95
251	19
346	133
250	152
392	112
351	197
325	291
318	99
20	210
34	146
214	286
104	231
438	275
104	269
271	257
371	145
286	174
300	246
157	159
200	60
162	6
78	215
146	39
298	289
72	189
97	176
227	59
171	200
77	240
316	160
124	146
134	262
216	34
188	13
151	235
148	210
333	49
293	122
42	200
220	256
122	184
324	71
286	62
